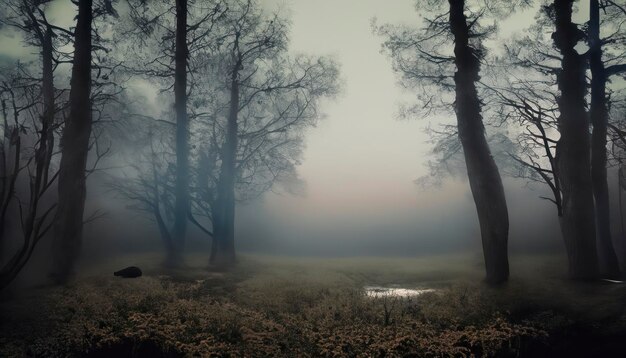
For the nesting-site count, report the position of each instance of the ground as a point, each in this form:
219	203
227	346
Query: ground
304	307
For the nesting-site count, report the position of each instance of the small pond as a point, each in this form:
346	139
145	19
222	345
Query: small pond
379	291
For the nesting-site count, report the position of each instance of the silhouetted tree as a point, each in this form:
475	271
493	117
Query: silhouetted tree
28	152
250	103
74	151
271	98
531	95
573	157
182	132
23	160
177	38
425	59
529	104
151	186
609	17
482	171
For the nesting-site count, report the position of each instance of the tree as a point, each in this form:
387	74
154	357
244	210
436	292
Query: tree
25	158
249	104
176	47
151	186
424	60
29	153
528	91
36	105
529	104
557	82
74	151
482	171
573	147
182	131
268	94
599	113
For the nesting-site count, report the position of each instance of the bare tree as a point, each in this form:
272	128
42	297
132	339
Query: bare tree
27	212
151	185
249	105
270	97
180	36
32	102
530	104
425	60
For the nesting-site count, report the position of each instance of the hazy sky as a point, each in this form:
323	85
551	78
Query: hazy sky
360	163
359	156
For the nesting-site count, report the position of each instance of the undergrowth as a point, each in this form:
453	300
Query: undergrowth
272	309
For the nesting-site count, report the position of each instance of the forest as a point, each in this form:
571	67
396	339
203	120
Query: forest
293	178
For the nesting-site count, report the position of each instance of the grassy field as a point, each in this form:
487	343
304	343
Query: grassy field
292	307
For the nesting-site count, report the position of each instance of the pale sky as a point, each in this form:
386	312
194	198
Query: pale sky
360	162
359	156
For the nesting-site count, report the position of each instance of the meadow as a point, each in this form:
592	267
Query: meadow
309	307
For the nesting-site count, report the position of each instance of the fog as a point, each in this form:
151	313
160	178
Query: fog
297	178
358	195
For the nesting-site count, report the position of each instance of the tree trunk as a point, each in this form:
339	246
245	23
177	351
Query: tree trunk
182	137
484	178
223	248
599	120
573	149
74	151
3	178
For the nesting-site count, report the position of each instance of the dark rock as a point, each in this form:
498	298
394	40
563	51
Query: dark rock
129	272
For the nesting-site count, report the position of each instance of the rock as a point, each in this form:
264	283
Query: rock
129	272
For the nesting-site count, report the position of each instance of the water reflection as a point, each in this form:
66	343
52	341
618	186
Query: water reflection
379	291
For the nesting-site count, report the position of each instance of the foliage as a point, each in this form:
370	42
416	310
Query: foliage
270	307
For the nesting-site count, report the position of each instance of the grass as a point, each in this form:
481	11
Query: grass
269	306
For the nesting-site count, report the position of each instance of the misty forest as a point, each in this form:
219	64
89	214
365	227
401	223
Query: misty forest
293	178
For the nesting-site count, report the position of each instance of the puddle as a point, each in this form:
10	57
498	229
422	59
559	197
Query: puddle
379	291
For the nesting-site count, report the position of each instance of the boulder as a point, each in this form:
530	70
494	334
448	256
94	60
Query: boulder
129	272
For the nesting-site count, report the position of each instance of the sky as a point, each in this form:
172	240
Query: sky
359	148
361	162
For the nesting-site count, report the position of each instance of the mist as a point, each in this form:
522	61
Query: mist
358	193
294	178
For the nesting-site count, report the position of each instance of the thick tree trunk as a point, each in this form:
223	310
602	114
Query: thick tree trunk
573	149
599	119
182	137
223	249
74	151
484	178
